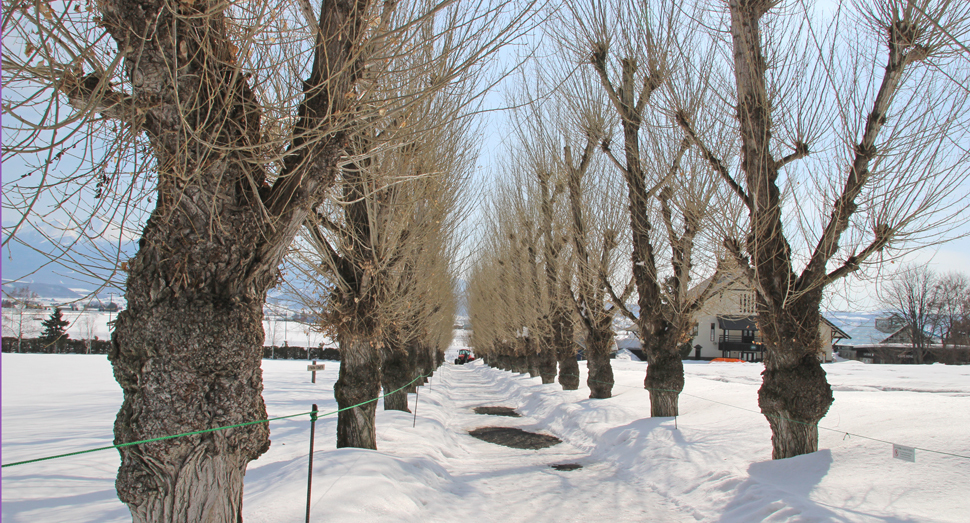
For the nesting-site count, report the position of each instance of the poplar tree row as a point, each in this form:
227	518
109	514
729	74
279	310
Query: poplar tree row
797	146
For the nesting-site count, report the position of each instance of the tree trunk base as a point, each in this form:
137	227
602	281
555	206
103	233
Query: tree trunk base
665	380
569	372
359	381
186	366
397	374
663	404
547	365
600	379
532	364
520	365
793	399
790	438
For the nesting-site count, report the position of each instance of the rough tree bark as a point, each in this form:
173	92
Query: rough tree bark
600	379
568	365
664	369
794	394
359	381
397	373
187	350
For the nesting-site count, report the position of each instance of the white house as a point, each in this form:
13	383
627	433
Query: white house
727	324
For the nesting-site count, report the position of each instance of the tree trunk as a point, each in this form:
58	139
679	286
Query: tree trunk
546	361
520	365
425	365
505	362
568	370
568	367
562	335
531	357
665	380
187	365
397	372
359	381
413	361
600	379
794	396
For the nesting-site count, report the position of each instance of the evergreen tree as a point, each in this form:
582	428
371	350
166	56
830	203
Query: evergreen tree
55	327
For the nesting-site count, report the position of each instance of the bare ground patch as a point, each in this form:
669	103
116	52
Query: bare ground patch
567	466
515	438
497	411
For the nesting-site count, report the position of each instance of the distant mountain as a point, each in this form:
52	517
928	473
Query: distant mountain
46	291
847	320
24	260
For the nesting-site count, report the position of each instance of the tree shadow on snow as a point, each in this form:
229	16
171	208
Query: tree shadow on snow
780	490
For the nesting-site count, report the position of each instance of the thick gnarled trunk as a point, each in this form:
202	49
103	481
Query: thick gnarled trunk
546	360
566	354
184	366
600	378
397	374
665	380
359	382
794	394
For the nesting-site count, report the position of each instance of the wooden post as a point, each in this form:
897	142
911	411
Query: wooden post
314	368
309	476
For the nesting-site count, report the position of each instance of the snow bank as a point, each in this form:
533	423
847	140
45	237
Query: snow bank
711	464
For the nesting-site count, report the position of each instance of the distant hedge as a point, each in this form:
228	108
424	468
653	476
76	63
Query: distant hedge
61	346
69	346
300	353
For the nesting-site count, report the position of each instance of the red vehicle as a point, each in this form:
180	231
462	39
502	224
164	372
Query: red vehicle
464	356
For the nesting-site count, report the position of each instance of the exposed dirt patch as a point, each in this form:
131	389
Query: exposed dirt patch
515	438
497	411
567	466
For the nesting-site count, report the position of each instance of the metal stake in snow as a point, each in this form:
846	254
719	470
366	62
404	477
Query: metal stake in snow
417	393
309	476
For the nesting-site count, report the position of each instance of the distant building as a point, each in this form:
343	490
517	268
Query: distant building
727	324
890	340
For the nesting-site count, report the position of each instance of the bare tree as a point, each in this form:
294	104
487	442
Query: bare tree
952	309
230	120
912	294
16	319
378	249
628	45
595	229
504	290
538	157
850	127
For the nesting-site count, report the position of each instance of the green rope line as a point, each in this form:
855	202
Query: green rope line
782	418
203	431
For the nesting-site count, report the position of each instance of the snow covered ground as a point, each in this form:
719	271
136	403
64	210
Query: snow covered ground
714	465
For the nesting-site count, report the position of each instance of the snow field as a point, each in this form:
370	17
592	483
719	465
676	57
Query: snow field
88	324
715	466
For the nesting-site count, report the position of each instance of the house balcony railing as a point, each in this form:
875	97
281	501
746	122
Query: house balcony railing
728	346
739	338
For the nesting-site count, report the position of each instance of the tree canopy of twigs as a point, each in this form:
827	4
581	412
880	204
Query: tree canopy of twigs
851	134
379	252
217	127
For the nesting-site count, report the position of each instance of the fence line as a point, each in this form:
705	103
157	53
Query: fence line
203	431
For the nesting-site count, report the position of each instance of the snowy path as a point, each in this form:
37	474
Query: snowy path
714	467
520	485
